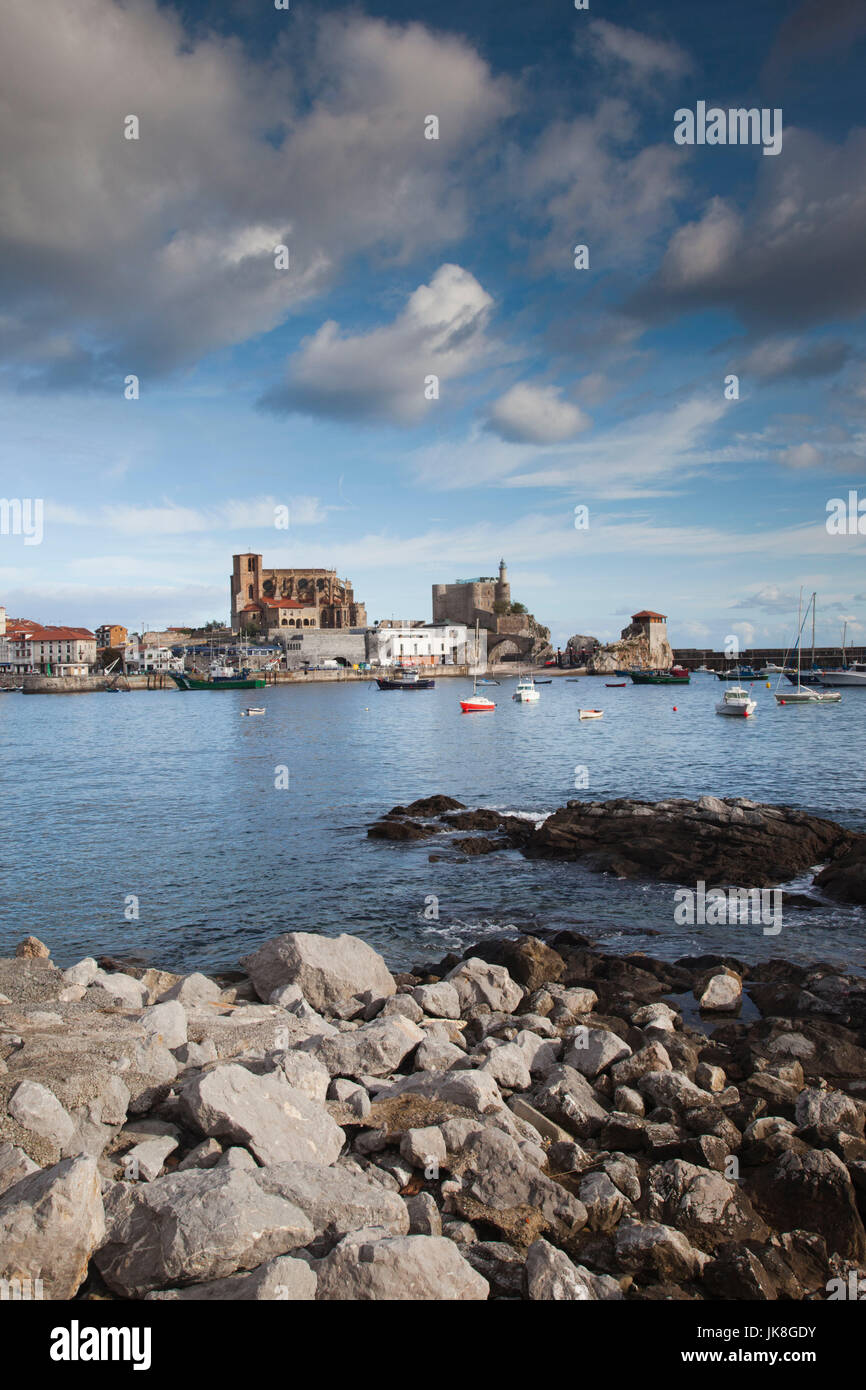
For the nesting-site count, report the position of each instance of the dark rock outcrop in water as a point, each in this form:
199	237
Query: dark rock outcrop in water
535	1120
719	841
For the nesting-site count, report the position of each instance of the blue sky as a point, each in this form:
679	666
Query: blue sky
601	387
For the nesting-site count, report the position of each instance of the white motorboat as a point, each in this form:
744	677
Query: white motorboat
252	709
591	713
526	692
737	701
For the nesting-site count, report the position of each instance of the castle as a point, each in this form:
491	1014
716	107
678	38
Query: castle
279	598
512	632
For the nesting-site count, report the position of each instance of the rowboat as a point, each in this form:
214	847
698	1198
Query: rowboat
591	713
614	685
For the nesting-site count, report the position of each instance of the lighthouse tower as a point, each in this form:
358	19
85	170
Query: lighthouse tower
503	588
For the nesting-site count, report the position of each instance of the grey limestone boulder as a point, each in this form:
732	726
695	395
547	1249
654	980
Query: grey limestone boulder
276	1122
329	970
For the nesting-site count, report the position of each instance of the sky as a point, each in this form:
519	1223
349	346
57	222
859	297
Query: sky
422	374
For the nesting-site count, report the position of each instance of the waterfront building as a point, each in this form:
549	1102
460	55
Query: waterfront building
111	635
30	648
425	644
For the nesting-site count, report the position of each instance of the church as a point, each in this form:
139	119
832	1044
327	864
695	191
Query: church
283	598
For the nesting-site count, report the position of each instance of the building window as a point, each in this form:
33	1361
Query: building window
250	591
251	564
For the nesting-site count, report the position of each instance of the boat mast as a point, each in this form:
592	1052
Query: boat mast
799	634
814	595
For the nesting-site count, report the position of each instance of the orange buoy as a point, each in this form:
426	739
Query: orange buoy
675	709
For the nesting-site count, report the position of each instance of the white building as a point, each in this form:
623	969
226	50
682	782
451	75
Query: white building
27	648
427	644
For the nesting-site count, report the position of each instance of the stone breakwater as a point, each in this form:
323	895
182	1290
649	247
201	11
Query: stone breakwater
535	1120
718	841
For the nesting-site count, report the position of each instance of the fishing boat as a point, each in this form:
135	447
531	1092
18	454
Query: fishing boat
803	694
405	678
220	677
526	692
252	709
677	675
591	713
737	701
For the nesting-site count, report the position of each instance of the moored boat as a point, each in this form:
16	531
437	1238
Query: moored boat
677	675
526	692
405	678
591	713
737	701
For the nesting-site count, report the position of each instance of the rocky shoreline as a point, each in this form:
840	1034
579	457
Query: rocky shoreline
715	840
536	1120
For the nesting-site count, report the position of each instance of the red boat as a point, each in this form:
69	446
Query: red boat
615	685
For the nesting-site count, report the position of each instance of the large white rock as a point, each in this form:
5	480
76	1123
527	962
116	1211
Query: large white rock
400	1269
192	990
283	1280
277	1122
375	1049
50	1224
439	1000
167	1023
478	982
552	1277
328	969
593	1050
194	1226
15	1164
336	1202
38	1109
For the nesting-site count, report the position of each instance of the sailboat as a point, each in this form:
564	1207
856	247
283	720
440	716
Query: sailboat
477	704
845	675
805	695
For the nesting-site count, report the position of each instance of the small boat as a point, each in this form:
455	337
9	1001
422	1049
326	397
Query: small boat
591	713
252	709
615	685
737	701
485	680
572	680
477	704
526	692
406	678
538	682
221	677
677	675
807	694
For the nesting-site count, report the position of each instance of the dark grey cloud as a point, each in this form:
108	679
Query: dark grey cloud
120	256
792	259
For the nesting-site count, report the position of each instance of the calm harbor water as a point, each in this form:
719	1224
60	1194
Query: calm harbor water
177	800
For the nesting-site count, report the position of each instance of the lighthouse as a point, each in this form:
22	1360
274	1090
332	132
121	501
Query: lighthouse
503	588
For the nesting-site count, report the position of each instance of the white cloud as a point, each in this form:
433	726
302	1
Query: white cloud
381	374
800	456
643	55
640	457
536	415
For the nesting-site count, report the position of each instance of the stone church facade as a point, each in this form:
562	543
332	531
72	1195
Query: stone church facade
267	599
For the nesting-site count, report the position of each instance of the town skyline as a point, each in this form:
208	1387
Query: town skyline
694	379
